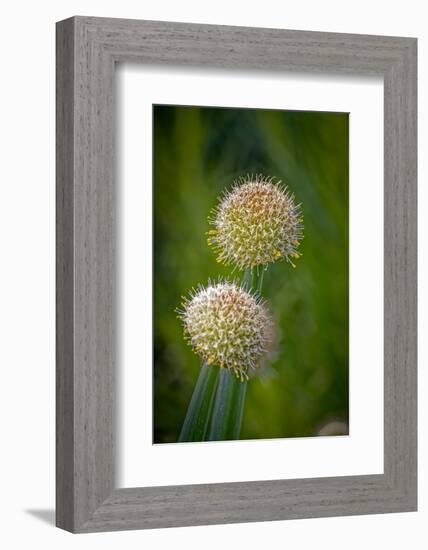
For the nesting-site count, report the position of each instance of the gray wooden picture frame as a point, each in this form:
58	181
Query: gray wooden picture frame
87	51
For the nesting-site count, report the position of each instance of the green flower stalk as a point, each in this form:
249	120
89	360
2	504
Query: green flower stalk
228	326
256	223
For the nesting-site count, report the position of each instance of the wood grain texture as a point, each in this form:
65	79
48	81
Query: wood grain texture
87	50
64	276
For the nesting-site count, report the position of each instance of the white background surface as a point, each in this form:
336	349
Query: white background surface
362	451
27	275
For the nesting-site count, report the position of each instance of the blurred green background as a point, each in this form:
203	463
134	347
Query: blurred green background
198	152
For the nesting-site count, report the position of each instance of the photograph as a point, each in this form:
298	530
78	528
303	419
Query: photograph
251	274
210	265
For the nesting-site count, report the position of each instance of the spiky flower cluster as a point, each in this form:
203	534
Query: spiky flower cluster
228	326
256	223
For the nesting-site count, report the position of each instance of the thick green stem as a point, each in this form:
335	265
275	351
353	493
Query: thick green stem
247	278
260	280
228	407
198	415
253	278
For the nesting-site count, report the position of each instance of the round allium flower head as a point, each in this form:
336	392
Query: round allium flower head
227	326
256	223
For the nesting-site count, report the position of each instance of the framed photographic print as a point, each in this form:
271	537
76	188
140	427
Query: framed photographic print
236	274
